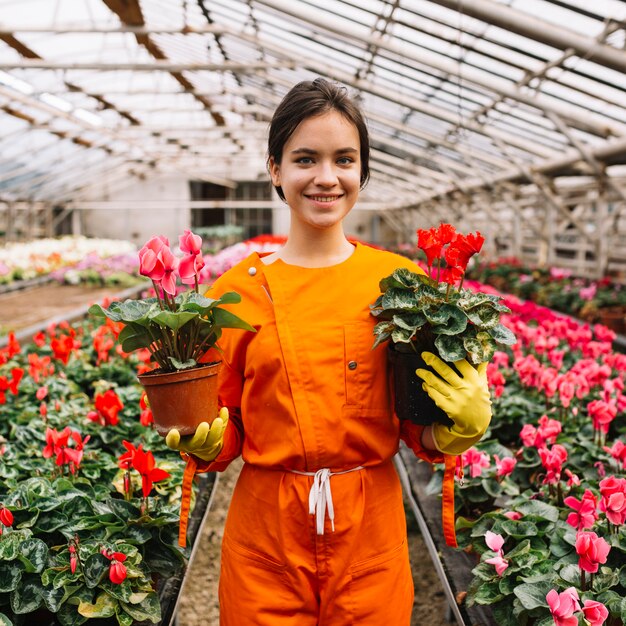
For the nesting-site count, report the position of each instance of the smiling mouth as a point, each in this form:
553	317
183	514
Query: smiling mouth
323	198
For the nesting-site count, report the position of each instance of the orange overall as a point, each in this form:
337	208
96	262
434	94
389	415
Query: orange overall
307	394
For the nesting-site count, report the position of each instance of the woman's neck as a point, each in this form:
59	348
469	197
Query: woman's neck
313	248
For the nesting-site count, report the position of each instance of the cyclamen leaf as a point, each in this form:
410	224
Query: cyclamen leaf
480	348
28	596
402	278
33	554
411	321
447	320
104	606
172	320
134	336
5	621
10	576
503	335
400	299
533	595
402	335
483	315
225	319
450	348
182	366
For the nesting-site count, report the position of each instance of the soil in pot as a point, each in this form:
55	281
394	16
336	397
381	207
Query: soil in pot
182	399
411	401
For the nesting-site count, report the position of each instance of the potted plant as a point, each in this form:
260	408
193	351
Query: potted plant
178	328
432	312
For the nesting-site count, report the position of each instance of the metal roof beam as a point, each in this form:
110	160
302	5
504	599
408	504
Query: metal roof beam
154	66
580	117
522	23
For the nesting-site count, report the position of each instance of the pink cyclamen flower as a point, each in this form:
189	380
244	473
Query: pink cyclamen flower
189	268
617	451
505	466
495	543
514	515
170	265
572	479
592	550
585	513
149	263
552	460
595	612
563	606
189	243
602	413
476	460
42	392
613	503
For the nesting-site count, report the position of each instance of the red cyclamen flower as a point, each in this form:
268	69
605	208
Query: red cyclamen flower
613	503
585	513
6	517
595	612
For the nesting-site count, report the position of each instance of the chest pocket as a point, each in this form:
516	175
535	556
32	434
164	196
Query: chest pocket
365	372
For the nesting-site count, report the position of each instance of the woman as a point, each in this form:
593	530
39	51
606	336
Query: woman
316	528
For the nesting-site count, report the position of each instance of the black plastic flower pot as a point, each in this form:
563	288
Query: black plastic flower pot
411	401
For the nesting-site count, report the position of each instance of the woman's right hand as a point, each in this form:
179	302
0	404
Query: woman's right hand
206	443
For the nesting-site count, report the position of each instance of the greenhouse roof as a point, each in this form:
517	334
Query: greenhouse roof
459	94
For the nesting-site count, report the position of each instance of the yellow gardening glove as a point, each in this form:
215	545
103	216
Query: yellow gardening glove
206	443
464	398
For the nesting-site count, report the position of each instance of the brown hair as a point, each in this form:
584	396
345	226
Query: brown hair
309	99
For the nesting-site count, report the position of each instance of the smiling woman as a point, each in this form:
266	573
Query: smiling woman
308	400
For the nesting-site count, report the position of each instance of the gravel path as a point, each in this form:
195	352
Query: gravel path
198	604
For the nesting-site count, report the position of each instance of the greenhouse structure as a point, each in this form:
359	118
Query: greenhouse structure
494	219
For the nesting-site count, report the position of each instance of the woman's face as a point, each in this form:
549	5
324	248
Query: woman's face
320	170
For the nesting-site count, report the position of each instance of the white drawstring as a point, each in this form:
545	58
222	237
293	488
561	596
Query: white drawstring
321	497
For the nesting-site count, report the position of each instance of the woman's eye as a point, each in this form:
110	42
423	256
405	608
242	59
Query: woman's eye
345	160
305	160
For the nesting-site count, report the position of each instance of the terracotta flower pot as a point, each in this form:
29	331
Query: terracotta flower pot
411	401
182	399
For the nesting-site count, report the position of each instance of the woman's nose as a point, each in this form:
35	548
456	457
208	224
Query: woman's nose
325	175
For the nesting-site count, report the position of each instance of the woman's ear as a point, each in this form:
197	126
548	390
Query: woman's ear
274	169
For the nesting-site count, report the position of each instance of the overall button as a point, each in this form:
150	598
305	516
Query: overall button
352	365
252	271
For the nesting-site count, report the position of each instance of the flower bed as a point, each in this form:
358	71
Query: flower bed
590	300
542	499
25	261
89	494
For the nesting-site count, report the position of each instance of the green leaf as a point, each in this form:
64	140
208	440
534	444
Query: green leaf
95	568
68	615
450	348
10	576
124	510
503	335
172	319
149	609
134	337
402	278
123	618
533	595
230	297
538	510
27	597
34	555
104	606
570	574
488	593
484	315
10	546
519	529
400	300
447	320
225	319
382	332
480	348
400	335
409	321
179	365
5	621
